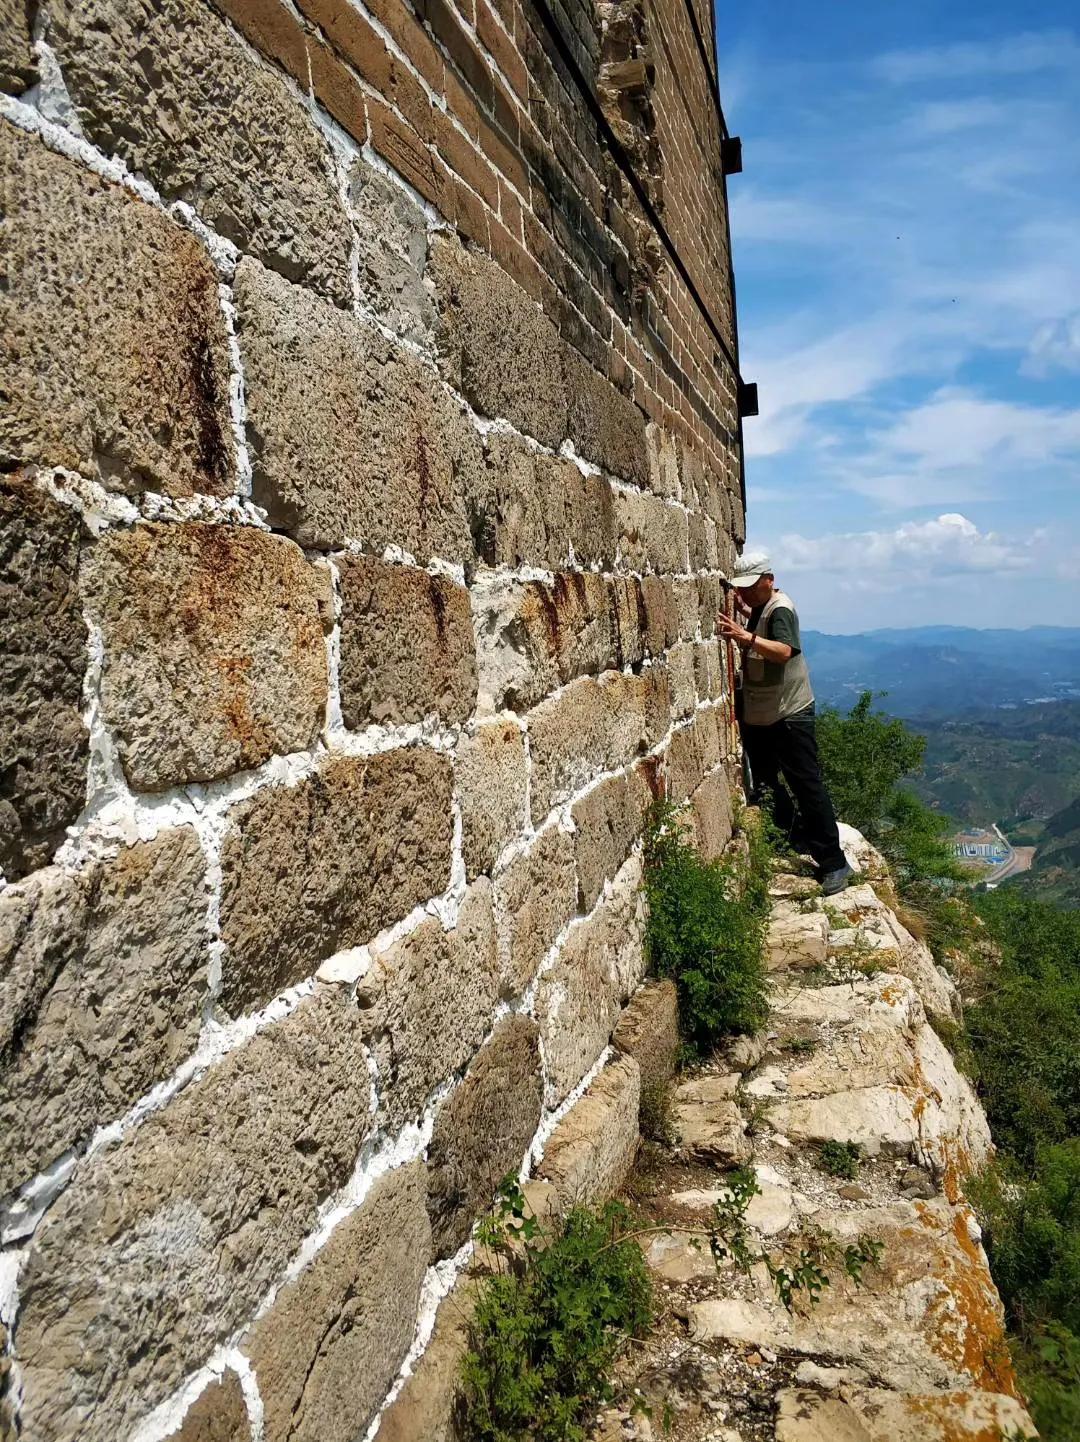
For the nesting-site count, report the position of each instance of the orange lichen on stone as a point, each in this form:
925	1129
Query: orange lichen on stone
966	1324
945	1411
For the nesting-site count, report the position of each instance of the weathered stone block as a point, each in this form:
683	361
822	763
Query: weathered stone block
311	869
218	1414
607	822
535	896
533	637
495	343
114	349
661	614
631	620
578	1000
215	653
17	68
43	742
709	670
532	510
490	776
605	426
162	1245
427	1004
693	751
329	1348
663	461
652	534
104	977
352	438
392	235
209	125
591	1151
482	1131
8	1429
591	727
686	598
711	815
682	678
711	602
407	646
425	1406
648	1031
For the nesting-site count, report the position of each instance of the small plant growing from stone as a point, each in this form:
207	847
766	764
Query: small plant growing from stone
802	1045
550	1324
706	929
804	1275
656	1121
841	1159
866	1252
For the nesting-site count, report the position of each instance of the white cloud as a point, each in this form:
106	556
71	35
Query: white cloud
957	428
917	551
1009	55
1054	346
946	117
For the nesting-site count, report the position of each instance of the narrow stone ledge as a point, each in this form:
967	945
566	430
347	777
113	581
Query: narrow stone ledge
315	868
215	652
114	348
105	975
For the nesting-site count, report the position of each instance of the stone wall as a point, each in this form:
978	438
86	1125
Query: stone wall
368	467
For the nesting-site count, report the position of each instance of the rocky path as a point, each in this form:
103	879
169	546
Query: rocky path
905	1343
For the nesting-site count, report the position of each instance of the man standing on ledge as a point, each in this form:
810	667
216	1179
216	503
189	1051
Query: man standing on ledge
778	720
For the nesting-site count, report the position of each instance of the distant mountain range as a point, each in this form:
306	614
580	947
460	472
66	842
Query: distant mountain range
1000	711
946	671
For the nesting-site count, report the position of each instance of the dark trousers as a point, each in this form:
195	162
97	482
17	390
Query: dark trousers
788	749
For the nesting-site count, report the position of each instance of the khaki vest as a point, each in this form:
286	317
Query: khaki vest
773	690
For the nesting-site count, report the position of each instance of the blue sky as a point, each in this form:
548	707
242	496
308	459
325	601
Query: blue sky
907	256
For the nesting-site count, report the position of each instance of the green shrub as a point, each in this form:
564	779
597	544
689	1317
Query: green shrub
1048	1366
1025	1028
548	1328
863	756
706	929
841	1159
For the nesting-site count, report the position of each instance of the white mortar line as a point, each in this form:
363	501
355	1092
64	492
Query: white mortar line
20	1215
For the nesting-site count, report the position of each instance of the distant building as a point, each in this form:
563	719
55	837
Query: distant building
983	846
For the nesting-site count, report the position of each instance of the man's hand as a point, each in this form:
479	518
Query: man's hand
732	631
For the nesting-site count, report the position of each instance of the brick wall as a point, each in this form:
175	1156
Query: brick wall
368	470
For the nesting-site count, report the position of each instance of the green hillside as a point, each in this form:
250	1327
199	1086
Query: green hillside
1019	768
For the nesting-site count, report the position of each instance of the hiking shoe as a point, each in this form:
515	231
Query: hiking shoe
834	881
